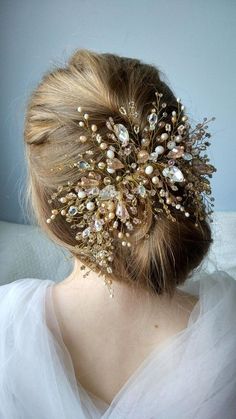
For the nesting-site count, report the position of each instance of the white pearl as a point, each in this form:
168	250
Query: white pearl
103	146
86	116
110	170
94	128
187	214
90	206
164	136
178	138
110	154
184	118
155	180
148	170
79	109
123	243
81	123
159	149
48	220
83	138
170	145
81	194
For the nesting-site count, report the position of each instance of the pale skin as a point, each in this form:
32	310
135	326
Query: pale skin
108	338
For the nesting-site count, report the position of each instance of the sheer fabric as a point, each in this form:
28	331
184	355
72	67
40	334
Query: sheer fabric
191	375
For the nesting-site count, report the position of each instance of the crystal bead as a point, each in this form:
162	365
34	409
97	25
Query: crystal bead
141	190
93	191
176	152
187	156
121	211
82	164
152	118
115	163
127	151
98	225
89	182
86	232
129	225
122	133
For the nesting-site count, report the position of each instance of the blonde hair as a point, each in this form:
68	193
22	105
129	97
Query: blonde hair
100	83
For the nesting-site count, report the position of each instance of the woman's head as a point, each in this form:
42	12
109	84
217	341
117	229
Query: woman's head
163	253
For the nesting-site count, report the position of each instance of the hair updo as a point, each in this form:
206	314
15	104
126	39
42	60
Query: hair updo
100	83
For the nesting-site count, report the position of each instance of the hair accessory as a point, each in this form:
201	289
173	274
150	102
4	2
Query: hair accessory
127	165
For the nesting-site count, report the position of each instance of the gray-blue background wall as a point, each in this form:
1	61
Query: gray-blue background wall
192	42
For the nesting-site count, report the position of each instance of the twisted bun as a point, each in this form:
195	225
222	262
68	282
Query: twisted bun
164	253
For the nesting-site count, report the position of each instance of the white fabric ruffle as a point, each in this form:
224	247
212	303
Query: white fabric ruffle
191	376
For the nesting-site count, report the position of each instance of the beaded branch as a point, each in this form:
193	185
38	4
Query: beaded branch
128	166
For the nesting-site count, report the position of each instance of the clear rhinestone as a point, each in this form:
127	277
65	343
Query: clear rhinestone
82	164
98	225
173	173
121	212
86	232
108	192
141	190
72	210
152	118
187	156
122	133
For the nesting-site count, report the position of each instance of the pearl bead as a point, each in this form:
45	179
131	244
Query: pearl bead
123	243
129	244
48	220
178	138
187	214
90	206
54	211
159	149
110	154
63	200
81	123
81	194
155	180
53	216
170	145
94	128
164	136
86	116
103	146
83	138
111	215
148	170
184	118
120	235
79	109
63	212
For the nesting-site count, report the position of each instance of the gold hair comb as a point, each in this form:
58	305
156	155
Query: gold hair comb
127	166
